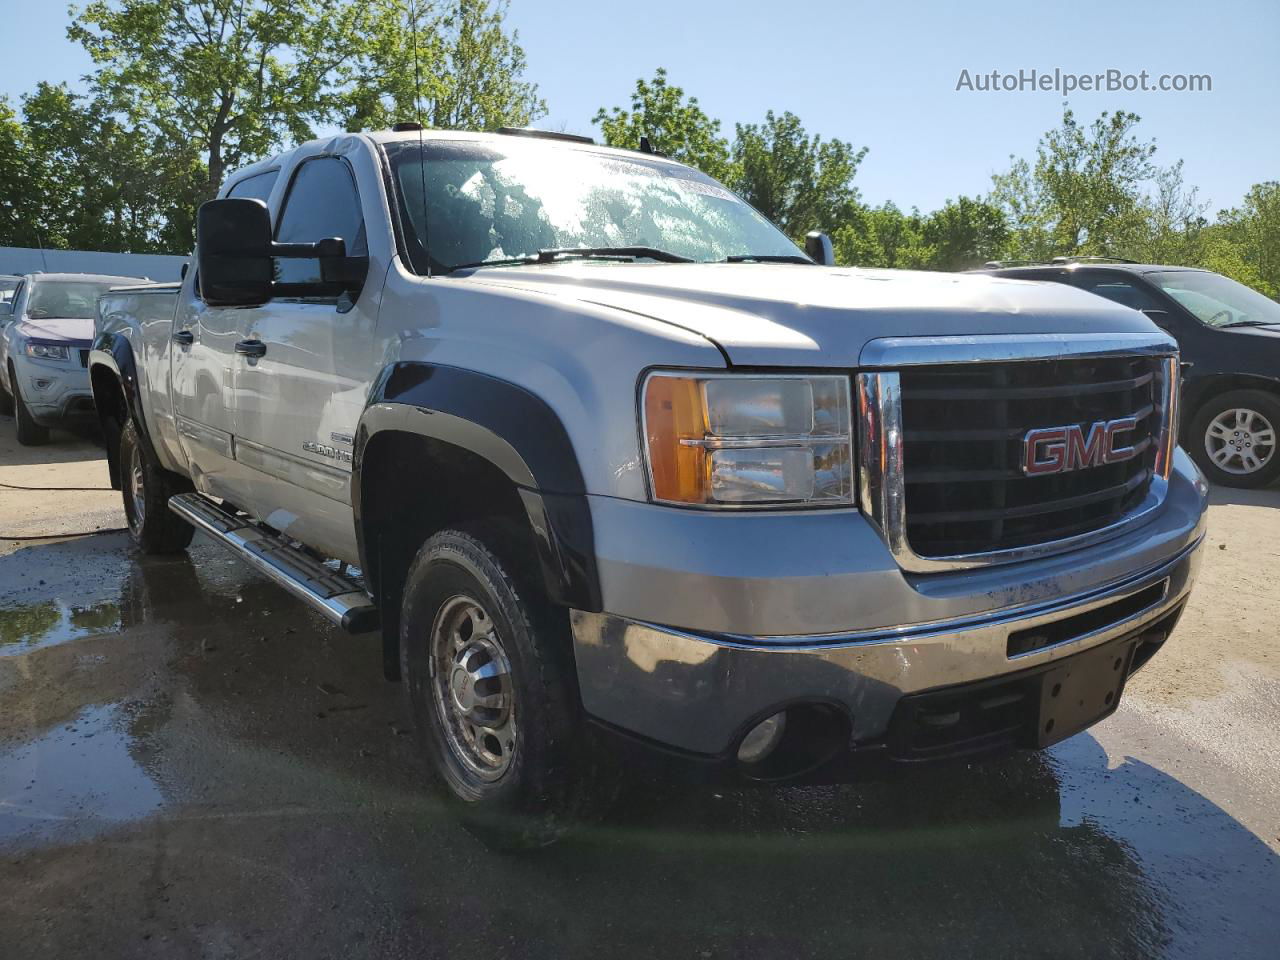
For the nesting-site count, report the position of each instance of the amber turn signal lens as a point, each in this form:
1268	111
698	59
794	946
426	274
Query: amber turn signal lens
674	410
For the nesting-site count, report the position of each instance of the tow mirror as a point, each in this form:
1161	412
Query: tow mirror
233	252
235	256
818	246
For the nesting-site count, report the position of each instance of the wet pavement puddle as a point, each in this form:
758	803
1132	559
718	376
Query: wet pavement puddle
32	626
76	780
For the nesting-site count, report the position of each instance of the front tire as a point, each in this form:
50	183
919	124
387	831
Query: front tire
147	487
1233	438
6	398
490	678
30	433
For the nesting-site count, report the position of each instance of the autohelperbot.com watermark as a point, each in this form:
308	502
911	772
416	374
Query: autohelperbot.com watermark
1061	81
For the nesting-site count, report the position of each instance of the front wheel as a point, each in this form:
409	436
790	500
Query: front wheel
30	433
147	487
6	398
490	678
1233	438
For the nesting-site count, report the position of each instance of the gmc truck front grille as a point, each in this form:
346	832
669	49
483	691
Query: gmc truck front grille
964	431
981	450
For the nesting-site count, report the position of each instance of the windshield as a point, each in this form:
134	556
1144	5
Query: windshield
494	203
65	299
1217	300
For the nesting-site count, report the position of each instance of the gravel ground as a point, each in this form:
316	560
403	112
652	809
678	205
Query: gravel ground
194	765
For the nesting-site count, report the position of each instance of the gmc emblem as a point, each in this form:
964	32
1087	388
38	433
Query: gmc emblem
1047	450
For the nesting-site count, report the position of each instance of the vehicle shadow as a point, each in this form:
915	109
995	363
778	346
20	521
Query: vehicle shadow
64	445
1028	855
1239	496
1056	854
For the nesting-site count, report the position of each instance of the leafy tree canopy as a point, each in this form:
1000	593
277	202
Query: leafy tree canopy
675	127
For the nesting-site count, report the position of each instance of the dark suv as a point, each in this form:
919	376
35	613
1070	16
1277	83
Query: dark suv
1229	336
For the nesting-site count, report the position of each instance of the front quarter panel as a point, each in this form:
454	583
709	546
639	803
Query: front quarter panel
582	360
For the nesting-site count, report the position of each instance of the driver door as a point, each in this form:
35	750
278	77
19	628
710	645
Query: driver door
301	396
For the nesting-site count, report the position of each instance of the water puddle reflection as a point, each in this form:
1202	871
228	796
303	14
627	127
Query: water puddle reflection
37	625
76	780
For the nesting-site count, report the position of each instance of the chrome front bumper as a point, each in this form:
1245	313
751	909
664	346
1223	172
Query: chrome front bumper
701	693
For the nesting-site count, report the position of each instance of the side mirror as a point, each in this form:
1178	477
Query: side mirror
233	252
818	246
235	256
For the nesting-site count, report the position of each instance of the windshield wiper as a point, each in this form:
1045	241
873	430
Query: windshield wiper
589	253
1247	323
766	258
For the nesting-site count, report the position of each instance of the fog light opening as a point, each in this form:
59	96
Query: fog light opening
762	739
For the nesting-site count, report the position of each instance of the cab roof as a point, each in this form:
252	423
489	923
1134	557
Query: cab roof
548	138
85	278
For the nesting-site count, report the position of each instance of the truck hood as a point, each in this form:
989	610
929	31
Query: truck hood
57	328
795	314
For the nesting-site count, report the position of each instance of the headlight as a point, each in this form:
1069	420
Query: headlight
48	351
741	440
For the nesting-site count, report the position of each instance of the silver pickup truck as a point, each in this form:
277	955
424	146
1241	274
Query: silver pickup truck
617	470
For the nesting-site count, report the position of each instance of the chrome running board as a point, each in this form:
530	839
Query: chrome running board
337	597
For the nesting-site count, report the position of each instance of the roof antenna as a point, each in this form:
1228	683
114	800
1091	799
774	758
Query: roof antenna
422	150
43	258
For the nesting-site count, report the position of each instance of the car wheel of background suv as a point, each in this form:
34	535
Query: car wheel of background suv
30	433
1233	438
6	401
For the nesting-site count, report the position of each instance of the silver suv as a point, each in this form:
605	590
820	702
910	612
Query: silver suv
617	470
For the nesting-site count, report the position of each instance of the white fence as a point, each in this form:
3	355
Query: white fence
155	266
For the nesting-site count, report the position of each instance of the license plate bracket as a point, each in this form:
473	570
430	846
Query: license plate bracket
1085	689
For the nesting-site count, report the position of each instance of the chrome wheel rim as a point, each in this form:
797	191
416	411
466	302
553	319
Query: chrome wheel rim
1240	441
472	689
137	491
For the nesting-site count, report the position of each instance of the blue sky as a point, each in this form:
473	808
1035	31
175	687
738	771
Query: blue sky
881	75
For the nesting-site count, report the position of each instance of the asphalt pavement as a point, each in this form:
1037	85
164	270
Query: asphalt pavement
192	764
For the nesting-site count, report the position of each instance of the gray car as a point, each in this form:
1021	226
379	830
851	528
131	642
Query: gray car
44	353
629	477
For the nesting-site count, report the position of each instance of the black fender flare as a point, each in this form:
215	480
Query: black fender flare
511	428
115	352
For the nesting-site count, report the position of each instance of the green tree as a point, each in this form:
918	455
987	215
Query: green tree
1172	224
19	185
798	181
1245	243
675	126
468	72
1084	193
882	236
230	80
100	184
965	233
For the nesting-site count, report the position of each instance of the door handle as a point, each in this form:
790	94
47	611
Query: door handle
183	337
251	348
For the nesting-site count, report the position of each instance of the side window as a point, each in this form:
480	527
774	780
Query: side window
258	186
322	202
1121	291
